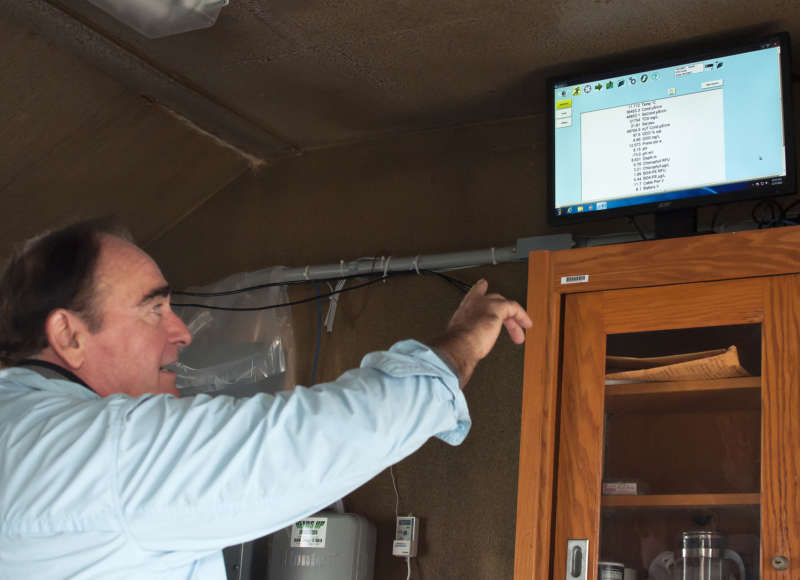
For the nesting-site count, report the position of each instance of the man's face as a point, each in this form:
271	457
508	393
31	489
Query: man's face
139	334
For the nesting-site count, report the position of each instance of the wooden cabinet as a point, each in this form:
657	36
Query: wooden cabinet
717	454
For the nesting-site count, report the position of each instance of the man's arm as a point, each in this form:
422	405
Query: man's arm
475	327
201	473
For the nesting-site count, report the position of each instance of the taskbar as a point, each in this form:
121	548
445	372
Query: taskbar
666	196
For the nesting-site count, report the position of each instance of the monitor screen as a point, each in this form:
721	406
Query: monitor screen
711	127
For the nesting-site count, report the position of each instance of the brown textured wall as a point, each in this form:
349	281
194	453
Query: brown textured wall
434	192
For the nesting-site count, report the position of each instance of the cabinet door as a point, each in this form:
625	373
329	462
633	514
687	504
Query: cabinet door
718	454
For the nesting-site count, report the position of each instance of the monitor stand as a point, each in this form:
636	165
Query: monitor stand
676	223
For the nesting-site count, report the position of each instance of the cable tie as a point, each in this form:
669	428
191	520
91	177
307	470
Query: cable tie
334	301
386	267
494	259
305	274
415	263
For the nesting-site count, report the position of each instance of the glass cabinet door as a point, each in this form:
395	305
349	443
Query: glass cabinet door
682	452
670	401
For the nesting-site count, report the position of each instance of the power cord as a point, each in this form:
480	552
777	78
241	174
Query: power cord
460	285
768	213
715	217
319	335
397	514
270	307
633	221
258	287
463	287
396	493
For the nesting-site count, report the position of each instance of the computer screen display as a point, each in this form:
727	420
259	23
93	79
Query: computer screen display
707	128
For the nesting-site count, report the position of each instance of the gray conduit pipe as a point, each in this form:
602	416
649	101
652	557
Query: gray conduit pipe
437	262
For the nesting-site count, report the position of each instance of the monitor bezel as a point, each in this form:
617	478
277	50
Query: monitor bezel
679	56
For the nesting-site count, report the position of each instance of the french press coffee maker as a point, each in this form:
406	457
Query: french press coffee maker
704	556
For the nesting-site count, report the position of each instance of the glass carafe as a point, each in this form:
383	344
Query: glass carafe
704	556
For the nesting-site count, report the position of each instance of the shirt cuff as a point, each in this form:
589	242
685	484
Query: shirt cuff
410	357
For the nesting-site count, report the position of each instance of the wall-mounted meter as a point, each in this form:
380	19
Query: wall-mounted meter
405	538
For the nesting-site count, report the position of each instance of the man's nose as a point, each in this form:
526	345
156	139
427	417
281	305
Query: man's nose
178	332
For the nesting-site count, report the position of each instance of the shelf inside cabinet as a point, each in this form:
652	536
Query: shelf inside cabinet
696	500
635	536
732	393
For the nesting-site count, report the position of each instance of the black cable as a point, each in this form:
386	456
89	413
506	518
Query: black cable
462	286
638	229
714	218
788	209
319	335
773	220
282	305
262	286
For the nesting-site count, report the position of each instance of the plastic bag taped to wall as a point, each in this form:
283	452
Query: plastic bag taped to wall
237	353
158	18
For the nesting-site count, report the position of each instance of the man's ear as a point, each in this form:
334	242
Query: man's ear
66	335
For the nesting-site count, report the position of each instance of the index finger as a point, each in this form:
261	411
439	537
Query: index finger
518	314
515	321
515	331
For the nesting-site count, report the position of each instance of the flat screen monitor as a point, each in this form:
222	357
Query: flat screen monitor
708	127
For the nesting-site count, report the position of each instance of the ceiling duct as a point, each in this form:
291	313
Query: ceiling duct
159	18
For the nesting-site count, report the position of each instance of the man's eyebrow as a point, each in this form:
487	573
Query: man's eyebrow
162	291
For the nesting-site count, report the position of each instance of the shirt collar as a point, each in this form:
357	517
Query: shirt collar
53	371
33	379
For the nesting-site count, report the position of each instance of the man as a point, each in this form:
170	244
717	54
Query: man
105	473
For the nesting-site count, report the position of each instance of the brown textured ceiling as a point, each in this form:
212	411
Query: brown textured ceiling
75	143
318	73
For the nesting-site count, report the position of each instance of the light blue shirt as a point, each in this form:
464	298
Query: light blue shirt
155	486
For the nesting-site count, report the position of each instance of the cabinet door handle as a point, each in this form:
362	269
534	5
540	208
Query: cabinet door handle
577	562
577	555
